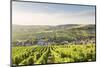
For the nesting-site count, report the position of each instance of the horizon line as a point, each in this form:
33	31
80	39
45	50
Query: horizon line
52	25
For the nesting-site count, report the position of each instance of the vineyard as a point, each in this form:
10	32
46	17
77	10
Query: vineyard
47	54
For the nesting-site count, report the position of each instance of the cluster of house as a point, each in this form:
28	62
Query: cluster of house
89	40
84	42
24	43
43	42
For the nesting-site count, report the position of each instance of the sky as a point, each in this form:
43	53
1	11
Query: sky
29	13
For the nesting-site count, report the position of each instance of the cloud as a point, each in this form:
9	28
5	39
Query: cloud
45	18
25	13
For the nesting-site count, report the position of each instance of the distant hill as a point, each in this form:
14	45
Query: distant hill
46	32
39	28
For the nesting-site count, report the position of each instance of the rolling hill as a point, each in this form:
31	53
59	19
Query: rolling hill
57	33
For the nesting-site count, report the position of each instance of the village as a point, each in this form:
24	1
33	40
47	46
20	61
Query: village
85	41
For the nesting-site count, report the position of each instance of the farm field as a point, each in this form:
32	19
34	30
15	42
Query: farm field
48	54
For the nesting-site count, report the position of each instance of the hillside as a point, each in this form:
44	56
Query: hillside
56	34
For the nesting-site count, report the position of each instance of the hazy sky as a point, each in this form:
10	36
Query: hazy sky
27	13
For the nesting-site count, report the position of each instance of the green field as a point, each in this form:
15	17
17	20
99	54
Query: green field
47	54
38	44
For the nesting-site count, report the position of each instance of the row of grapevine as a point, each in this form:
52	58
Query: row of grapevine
76	53
29	55
22	55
